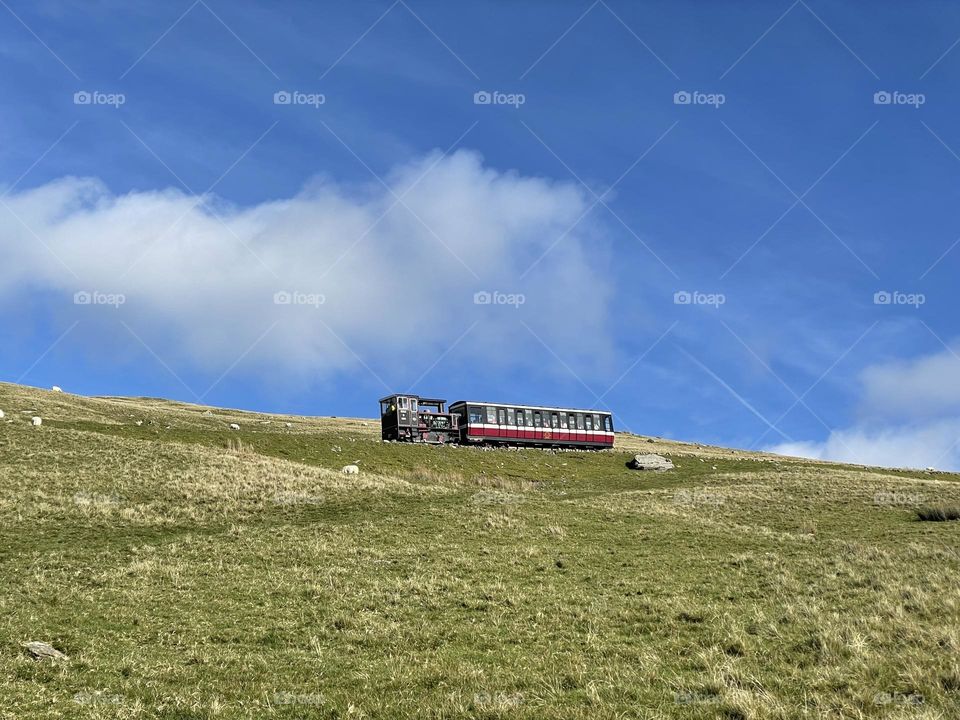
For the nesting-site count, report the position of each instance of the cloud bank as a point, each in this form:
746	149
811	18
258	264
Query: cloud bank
910	417
378	274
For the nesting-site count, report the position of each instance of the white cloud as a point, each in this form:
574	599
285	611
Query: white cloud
910	414
398	283
933	444
924	387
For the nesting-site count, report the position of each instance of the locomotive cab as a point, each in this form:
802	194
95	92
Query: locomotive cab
411	418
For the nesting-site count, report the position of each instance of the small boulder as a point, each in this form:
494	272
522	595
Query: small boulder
42	650
2	415
36	421
350	470
650	462
234	426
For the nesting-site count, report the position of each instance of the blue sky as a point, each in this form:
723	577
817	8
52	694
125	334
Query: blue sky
770	264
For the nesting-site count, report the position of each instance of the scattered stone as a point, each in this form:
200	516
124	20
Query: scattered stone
234	426
2	415
36	421
650	462
139	423
42	650
208	413
336	449
289	425
651	440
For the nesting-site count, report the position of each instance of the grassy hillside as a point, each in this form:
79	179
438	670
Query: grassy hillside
191	571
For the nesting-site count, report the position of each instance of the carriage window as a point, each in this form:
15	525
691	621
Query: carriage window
572	421
607	423
537	420
596	422
402	403
413	403
529	414
519	415
589	422
511	416
554	420
491	415
502	415
563	421
476	414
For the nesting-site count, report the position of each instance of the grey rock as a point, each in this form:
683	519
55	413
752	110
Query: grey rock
41	650
650	462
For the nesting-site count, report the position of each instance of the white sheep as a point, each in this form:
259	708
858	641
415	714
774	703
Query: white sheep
234	426
36	421
56	389
350	470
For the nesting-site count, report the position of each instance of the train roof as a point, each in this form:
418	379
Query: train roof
425	400
530	407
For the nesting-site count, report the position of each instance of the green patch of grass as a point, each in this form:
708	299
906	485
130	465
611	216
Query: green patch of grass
194	572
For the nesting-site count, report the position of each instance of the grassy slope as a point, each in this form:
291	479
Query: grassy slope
187	579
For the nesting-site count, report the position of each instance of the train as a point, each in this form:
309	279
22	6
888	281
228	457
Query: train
415	419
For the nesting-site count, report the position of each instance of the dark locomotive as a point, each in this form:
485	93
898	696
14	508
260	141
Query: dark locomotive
411	418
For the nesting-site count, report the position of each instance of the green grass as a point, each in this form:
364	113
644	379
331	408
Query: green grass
194	572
